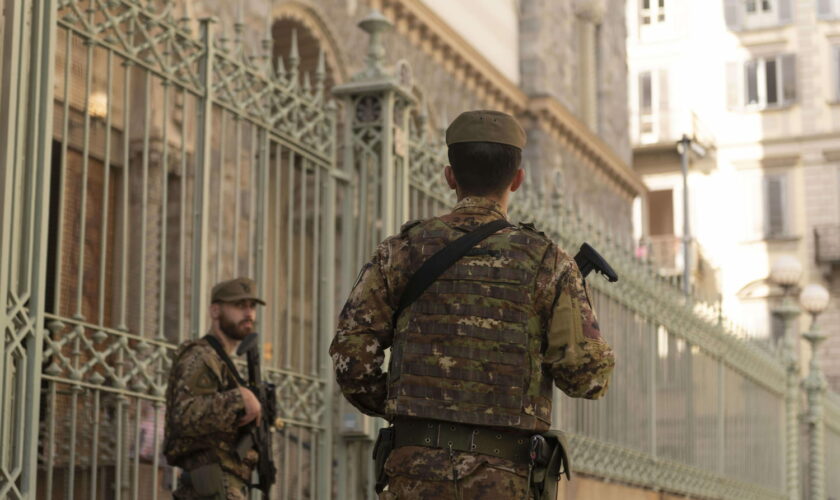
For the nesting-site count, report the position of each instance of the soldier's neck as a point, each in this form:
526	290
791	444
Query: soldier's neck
228	344
502	199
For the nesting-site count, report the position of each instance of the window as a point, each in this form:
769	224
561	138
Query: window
653	106
776	223
755	14
652	11
768	82
828	9
758	6
645	103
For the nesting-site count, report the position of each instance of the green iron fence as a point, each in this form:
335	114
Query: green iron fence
146	161
177	160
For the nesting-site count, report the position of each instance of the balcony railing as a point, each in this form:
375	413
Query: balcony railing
666	253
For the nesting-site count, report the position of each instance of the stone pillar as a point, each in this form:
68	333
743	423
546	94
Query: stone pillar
589	14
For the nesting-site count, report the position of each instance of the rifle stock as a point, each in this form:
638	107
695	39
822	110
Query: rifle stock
588	259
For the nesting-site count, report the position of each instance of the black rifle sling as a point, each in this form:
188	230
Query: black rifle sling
217	346
442	260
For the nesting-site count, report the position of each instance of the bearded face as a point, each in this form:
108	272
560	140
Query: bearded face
234	324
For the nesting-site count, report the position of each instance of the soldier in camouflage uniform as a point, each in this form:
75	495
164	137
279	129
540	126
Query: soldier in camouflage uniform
478	352
206	405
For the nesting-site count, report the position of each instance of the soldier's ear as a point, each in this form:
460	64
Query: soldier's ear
215	310
518	178
449	174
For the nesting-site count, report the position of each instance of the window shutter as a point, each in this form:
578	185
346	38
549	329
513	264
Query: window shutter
734	85
788	78
835	69
645	93
664	111
732	11
751	200
785	12
774	195
824	9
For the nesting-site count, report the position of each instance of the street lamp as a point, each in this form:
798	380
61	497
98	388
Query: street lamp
685	146
785	271
814	299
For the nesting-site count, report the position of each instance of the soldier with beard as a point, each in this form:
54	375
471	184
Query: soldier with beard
206	402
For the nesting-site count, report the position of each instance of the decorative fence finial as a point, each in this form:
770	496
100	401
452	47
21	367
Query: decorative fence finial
294	59
374	24
320	74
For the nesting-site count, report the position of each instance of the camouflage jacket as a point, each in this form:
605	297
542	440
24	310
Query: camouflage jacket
203	407
575	356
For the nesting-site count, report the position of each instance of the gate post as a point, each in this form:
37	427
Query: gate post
377	102
202	185
26	107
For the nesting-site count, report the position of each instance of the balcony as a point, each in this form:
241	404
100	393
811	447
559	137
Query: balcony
665	127
827	244
666	254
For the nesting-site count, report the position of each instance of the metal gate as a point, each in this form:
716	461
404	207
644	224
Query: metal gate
165	160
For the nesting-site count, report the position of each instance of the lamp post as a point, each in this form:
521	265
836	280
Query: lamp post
785	272
814	300
685	146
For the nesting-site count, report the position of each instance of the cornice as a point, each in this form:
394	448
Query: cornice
426	30
416	21
556	118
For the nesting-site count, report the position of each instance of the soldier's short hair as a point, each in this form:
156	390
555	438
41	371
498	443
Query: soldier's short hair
484	168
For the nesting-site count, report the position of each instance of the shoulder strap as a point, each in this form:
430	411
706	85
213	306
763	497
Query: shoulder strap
217	346
442	260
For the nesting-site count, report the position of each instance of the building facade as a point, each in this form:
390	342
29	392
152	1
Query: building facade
756	85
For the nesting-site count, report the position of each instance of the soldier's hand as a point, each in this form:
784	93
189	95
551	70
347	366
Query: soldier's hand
253	409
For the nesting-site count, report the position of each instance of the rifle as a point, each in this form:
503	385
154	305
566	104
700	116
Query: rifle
588	259
258	435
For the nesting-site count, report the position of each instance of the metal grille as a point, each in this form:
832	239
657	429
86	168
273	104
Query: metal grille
832	446
179	162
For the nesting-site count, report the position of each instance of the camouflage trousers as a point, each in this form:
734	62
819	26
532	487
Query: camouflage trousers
234	489
416	472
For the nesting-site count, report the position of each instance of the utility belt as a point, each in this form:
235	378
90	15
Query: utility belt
544	454
509	445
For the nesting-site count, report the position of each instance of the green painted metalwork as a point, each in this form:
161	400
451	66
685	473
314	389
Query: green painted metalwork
180	159
137	228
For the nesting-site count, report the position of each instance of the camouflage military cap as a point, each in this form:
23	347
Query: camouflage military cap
235	289
486	126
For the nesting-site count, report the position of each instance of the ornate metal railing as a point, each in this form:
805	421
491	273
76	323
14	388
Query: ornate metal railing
149	161
178	160
832	444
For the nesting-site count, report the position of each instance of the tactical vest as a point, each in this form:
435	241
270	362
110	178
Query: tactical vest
469	348
189	452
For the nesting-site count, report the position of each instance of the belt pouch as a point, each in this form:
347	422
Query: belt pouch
546	475
207	481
